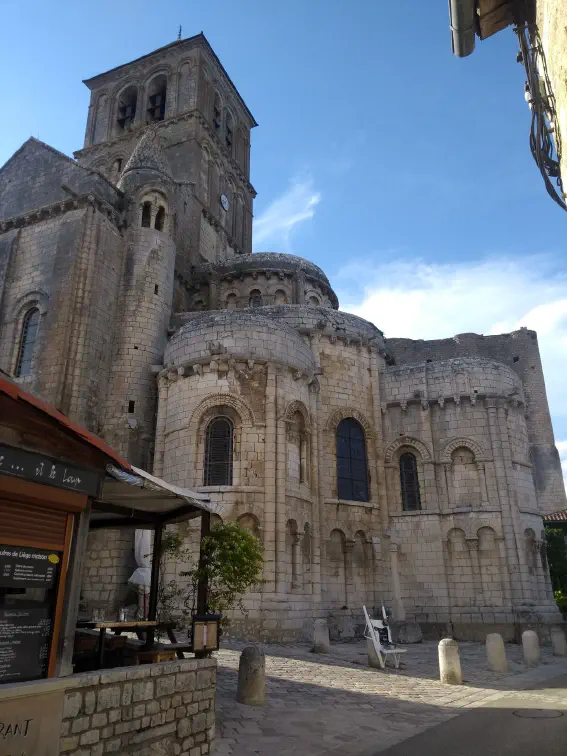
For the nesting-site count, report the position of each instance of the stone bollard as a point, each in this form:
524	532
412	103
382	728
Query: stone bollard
496	653
252	677
449	662
373	660
321	643
530	643
558	641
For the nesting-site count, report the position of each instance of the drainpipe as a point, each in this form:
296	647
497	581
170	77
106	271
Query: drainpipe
463	23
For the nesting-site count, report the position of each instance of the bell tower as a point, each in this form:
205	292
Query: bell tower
204	126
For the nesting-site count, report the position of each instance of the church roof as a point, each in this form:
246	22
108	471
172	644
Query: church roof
148	155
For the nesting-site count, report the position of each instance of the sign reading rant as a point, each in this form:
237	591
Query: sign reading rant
23	464
30	725
21	567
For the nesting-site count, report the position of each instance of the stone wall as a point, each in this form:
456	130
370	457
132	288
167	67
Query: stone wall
166	709
109	562
550	18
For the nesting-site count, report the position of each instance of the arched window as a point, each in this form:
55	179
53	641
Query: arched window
157	93
27	343
280	297
127	108
228	131
231	302
160	218
217	113
116	167
147	215
218	452
409	482
255	299
352	472
314	301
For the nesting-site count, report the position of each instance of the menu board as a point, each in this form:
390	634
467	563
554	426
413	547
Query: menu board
24	643
22	567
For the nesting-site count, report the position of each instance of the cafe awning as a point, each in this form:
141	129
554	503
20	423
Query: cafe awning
138	499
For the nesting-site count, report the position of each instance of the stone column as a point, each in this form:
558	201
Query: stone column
472	543
270	482
159	451
382	484
141	106
540	573
482	481
448	477
171	96
281	477
515	561
349	586
399	613
316	501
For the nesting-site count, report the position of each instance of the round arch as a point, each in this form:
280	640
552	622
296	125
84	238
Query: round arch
468	443
411	442
344	412
222	400
297	406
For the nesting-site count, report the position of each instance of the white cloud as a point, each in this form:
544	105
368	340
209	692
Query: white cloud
419	300
277	222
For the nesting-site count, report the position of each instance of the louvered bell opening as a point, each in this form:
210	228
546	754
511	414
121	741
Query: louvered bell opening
409	482
218	453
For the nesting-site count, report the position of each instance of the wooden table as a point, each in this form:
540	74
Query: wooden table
140	627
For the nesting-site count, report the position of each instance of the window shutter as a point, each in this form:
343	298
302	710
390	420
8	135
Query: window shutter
218	452
29	523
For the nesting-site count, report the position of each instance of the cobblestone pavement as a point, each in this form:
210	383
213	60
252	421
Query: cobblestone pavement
333	704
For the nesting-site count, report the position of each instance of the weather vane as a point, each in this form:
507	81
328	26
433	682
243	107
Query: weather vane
179	32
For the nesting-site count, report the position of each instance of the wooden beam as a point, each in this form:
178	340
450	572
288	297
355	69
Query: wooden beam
494	15
122	522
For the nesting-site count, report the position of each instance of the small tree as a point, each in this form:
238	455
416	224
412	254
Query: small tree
233	562
557	558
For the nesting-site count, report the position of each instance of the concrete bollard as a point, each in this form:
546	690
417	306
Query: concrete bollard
449	662
252	677
321	642
530	643
496	653
373	660
558	641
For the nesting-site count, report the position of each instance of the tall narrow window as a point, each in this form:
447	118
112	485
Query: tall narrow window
218	452
127	109
147	215
255	299
157	93
217	113
228	137
409	482
352	472
160	218
27	343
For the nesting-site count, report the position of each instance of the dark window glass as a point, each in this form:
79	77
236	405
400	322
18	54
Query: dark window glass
160	219
146	215
352	472
27	343
255	299
409	482
218	452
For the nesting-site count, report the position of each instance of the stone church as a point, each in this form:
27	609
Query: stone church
373	469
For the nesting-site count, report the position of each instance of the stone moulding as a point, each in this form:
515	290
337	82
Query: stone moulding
410	441
47	212
227	400
468	443
343	412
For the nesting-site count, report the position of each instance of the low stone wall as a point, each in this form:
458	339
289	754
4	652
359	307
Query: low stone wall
165	709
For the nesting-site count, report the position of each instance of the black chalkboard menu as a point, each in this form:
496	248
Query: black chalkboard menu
24	643
28	583
22	567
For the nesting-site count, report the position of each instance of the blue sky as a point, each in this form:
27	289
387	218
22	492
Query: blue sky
401	170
